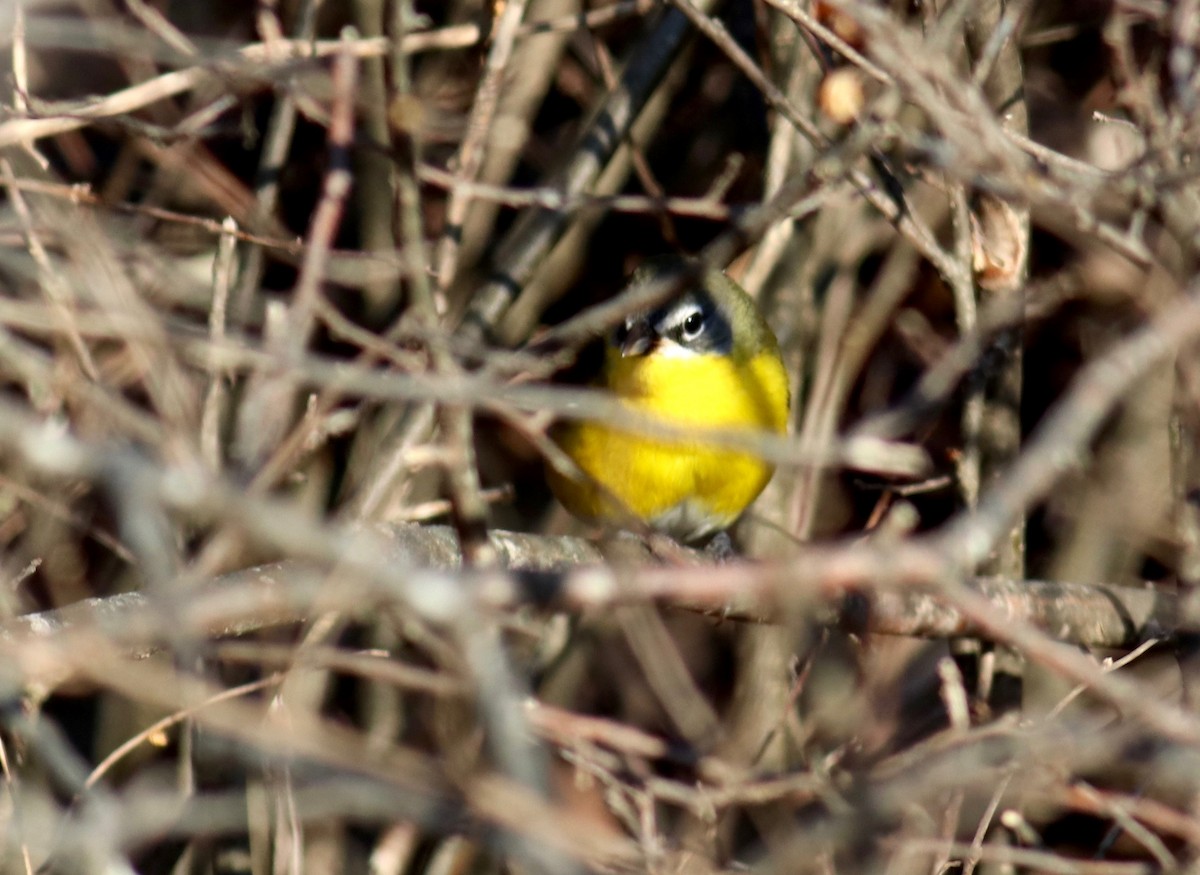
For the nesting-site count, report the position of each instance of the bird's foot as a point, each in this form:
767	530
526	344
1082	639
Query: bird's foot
720	548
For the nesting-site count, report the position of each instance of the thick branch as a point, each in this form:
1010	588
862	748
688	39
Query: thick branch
834	584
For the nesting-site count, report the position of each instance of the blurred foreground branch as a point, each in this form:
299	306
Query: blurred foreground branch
565	574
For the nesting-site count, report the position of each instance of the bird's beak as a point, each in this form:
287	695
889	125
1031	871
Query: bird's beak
639	338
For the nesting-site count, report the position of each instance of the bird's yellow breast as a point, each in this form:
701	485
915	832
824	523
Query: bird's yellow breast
681	485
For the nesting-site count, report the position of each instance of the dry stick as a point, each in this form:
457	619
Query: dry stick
276	143
591	587
310	432
547	197
782	151
1106	617
54	286
276	50
215	357
823	408
840	161
980	150
1124	815
991	415
130	744
866	452
1161	816
462	36
20	73
565	574
214	400
85	526
155	22
1185	30
919	778
1061	439
666	673
636	155
1184	449
267	409
128	100
937	383
967	466
301	438
534	234
11	789
35	369
1024	859
265	59
11	780
760	717
852	343
461	475
114	290
534	71
970	863
88	246
374	665
302	691
529	247
523	249
805	19
1179	205
390	465
716	31
375	191
338	378
80	193
1055	448
328	215
499	690
796	199
417	785
1070	166
470	156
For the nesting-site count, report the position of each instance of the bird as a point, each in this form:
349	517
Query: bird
707	359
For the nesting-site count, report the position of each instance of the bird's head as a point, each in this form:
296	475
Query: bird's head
714	316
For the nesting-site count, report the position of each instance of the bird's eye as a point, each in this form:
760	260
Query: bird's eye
693	325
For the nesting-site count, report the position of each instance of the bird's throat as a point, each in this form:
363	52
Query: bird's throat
708	390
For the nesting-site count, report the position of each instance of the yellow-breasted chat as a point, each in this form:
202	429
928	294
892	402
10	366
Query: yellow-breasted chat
704	360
